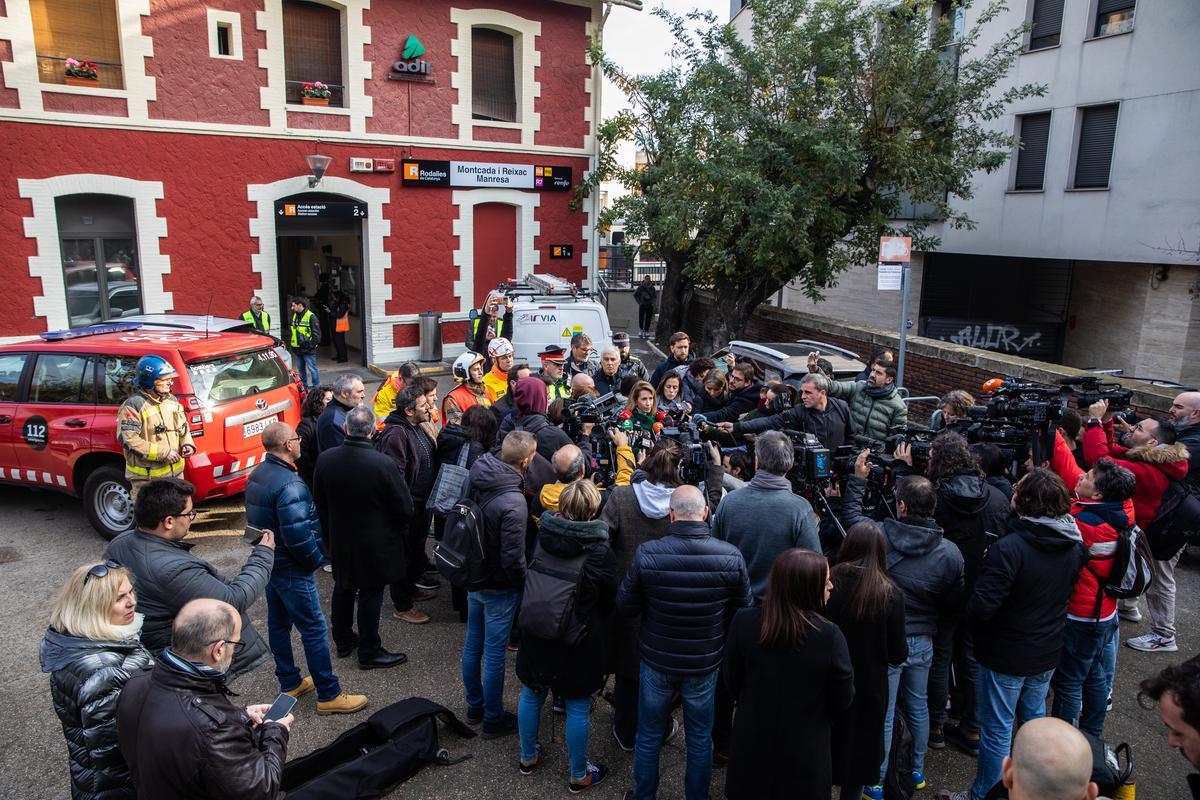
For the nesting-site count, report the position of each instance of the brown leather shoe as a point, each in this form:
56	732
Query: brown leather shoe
342	704
424	594
306	686
412	616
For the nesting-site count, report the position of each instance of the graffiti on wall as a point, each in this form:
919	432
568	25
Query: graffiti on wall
1031	340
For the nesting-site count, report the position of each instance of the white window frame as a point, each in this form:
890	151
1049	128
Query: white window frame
525	55
231	19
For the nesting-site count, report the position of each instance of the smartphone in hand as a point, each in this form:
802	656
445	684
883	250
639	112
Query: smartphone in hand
252	535
280	708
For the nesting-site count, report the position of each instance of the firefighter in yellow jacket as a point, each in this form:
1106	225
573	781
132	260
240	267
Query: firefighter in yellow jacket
152	426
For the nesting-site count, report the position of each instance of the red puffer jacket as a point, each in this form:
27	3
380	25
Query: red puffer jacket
1099	524
1154	468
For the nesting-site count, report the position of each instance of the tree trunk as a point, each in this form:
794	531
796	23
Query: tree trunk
735	303
676	295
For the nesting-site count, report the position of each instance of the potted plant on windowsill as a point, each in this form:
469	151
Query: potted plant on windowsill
81	73
315	94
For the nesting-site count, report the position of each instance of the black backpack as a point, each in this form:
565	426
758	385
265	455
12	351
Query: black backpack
550	597
1176	522
1132	566
373	756
461	555
898	781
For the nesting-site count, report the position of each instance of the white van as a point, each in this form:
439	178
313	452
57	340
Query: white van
548	310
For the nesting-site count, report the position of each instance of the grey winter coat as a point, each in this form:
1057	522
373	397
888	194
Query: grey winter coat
86	679
926	567
870	416
762	520
166	576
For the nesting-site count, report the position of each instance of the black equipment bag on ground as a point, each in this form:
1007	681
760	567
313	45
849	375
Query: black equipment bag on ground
898	781
1112	768
373	756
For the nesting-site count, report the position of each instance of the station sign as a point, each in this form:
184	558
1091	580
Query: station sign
318	210
476	174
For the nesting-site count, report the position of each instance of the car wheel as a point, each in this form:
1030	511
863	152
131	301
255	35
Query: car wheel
107	501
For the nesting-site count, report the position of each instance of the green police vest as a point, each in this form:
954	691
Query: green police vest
302	324
248	316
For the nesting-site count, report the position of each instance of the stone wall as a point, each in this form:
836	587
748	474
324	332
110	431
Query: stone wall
931	366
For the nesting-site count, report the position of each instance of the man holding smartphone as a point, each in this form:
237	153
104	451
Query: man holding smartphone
177	729
277	499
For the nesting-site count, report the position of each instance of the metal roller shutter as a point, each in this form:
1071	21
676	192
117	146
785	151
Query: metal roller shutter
1096	135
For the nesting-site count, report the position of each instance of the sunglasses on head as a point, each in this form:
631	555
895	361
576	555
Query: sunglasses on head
100	570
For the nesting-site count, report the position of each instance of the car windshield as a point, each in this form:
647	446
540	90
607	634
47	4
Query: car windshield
220	380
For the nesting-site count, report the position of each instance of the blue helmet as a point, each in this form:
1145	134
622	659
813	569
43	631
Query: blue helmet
150	369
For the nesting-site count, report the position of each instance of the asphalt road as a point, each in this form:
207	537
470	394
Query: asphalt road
44	535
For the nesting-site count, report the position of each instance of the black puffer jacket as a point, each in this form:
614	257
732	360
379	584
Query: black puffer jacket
496	487
926	567
740	402
86	678
579	670
687	587
278	500
309	449
968	509
450	441
549	437
1189	437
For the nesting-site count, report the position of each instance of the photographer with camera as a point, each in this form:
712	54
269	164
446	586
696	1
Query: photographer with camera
1185	410
570	464
929	571
635	514
970	512
486	323
875	404
1156	459
818	413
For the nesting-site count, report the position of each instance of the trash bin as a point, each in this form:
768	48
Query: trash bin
431	336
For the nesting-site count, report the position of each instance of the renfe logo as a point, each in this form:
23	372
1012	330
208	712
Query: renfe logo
529	318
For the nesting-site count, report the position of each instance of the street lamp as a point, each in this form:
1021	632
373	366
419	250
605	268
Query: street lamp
317	165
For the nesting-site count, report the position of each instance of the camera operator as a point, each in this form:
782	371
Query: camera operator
486	323
968	510
994	465
609	375
570	464
1156	459
952	407
819	414
1185	409
875	405
929	571
744	391
583	357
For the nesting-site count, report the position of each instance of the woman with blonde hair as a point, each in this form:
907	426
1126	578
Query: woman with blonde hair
571	663
641	412
90	650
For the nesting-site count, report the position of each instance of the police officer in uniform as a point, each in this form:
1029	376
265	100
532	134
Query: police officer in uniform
554	359
306	333
258	316
152	426
629	362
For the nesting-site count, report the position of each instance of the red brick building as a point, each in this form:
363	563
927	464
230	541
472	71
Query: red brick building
177	180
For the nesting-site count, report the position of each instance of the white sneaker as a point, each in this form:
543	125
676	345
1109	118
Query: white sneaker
1130	614
1152	642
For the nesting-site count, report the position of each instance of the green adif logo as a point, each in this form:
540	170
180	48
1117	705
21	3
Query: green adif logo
413	48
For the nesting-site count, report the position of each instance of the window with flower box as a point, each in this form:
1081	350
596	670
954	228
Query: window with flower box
86	33
312	51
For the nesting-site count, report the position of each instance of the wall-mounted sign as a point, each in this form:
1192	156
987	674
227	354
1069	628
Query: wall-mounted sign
476	174
362	165
321	210
385	165
562	250
411	67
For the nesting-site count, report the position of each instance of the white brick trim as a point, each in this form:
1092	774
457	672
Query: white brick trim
356	71
525	33
22	74
234	20
375	228
528	229
43	227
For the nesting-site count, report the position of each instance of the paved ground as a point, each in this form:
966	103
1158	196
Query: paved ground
44	535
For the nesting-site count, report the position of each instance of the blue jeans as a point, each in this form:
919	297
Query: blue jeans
655	693
306	368
1003	700
1081	680
489	619
529	712
911	677
292	601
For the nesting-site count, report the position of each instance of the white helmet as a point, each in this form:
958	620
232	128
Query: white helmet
463	364
499	347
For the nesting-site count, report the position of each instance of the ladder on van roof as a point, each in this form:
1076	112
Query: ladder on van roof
543	286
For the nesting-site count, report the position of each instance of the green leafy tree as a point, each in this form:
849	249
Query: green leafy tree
785	157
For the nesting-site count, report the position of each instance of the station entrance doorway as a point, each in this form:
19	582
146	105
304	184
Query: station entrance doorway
320	257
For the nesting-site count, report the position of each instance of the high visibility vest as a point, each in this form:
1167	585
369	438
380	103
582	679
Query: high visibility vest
248	316
302	323
497	381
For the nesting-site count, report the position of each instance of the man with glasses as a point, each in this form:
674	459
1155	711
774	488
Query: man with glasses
277	499
178	731
166	575
258	316
744	392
